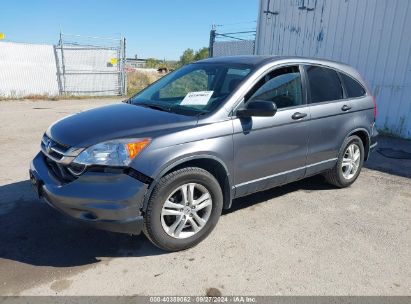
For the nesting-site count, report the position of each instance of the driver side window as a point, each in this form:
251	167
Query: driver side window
282	86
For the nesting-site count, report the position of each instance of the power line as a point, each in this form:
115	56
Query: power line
237	23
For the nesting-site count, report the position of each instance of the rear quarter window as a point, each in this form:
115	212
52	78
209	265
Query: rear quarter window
352	87
324	84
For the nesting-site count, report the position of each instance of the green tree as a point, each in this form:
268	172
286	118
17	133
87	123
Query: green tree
201	53
187	57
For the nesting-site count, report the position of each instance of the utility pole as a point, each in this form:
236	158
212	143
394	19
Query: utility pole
212	40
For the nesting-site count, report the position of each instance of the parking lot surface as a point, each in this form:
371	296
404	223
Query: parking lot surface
306	238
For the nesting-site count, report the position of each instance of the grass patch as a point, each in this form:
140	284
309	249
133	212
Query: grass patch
136	81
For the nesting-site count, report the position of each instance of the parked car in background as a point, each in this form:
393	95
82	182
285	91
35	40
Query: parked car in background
169	159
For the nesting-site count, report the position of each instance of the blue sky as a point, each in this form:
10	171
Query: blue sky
153	28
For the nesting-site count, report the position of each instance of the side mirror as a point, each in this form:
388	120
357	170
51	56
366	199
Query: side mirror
261	108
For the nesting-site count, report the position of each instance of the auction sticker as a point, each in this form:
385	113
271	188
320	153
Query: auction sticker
197	98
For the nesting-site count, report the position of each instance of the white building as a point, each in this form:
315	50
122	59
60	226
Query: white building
372	35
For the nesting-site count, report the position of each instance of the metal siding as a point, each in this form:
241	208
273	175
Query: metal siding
371	35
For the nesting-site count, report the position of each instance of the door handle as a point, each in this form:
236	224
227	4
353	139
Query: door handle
345	108
298	115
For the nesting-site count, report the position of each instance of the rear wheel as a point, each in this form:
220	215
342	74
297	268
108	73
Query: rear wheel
349	164
183	209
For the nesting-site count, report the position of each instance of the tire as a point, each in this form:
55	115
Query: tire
338	176
181	230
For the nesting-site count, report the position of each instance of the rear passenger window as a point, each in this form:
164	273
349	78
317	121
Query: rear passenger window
352	87
324	84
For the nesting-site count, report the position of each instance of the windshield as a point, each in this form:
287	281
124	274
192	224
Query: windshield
194	89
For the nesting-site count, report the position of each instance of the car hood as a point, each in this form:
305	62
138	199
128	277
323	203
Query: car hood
115	121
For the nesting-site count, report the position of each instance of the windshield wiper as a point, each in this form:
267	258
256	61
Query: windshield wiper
154	106
178	109
183	109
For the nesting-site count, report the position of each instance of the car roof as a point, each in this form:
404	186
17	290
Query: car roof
254	60
260	60
257	60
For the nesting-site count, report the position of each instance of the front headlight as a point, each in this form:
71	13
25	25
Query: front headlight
112	153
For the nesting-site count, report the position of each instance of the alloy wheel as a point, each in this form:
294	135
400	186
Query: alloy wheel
186	210
351	161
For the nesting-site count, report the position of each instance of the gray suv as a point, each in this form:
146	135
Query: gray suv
169	159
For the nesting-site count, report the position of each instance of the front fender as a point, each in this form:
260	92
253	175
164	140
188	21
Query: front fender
157	162
185	159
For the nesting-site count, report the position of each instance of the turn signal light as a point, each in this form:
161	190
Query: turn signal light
134	148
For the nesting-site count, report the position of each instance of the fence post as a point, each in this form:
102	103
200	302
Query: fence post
123	66
63	66
58	70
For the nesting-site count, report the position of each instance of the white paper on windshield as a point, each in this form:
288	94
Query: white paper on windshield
197	98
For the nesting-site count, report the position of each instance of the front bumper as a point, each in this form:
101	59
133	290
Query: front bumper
108	201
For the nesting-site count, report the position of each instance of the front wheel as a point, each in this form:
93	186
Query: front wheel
349	164
183	209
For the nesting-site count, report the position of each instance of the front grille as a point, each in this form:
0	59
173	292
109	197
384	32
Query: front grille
52	148
57	160
59	171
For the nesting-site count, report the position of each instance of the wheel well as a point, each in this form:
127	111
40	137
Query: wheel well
365	140
216	169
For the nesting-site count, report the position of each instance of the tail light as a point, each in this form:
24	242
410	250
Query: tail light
375	108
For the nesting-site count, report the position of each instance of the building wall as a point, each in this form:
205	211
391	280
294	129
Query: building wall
27	69
135	63
372	35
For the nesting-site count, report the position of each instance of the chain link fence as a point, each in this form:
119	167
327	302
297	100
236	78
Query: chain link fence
231	43
77	65
90	65
27	70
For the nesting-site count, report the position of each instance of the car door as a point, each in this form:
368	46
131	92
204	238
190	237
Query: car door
331	117
270	151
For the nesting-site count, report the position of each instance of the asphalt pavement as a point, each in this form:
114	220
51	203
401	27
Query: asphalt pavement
305	238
